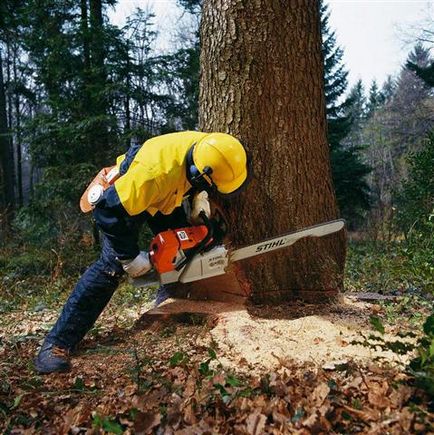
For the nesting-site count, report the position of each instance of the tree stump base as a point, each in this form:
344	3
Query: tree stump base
223	288
188	311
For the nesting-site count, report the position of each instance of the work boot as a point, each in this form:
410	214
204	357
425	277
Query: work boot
52	358
164	292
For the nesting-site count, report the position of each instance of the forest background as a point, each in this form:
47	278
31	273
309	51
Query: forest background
75	92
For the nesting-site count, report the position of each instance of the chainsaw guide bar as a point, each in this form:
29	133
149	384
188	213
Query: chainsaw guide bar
286	240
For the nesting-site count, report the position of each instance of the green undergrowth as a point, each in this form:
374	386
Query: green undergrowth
35	278
398	267
421	365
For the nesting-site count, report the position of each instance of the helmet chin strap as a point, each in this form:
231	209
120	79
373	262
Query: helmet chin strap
199	180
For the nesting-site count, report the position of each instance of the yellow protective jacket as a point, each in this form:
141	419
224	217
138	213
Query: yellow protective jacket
153	179
156	179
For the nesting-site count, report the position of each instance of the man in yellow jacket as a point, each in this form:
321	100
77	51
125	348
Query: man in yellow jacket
155	179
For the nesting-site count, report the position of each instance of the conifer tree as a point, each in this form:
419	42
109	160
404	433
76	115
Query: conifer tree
12	95
375	99
393	132
425	73
388	89
348	170
191	6
7	196
67	44
182	72
410	109
357	107
335	81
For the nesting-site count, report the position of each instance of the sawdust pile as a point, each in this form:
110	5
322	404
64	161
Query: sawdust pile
266	337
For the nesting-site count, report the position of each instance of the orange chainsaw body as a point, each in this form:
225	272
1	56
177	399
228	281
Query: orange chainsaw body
167	246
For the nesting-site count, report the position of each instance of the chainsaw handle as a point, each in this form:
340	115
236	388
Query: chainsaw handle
206	220
201	245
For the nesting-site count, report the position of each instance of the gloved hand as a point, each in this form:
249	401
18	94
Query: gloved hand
200	203
137	267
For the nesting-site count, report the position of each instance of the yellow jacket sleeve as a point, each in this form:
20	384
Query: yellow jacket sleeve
138	189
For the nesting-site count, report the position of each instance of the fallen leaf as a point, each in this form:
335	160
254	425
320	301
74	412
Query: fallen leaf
311	420
189	414
320	393
355	383
400	395
146	421
377	394
255	423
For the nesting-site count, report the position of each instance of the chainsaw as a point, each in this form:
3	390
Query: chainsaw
194	253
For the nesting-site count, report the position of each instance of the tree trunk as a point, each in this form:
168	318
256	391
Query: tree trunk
18	145
6	153
86	53
97	27
127	102
262	81
100	139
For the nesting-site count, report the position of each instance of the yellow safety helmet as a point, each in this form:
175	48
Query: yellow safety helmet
220	160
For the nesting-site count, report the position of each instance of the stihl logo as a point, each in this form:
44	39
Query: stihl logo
270	245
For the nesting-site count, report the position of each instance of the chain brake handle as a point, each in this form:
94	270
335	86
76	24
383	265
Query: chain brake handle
202	245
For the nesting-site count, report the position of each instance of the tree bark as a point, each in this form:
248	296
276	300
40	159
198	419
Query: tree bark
100	140
86	53
6	153
97	26
18	144
262	81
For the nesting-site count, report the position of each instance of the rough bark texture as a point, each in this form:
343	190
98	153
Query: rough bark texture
18	144
98	78
262	81
6	154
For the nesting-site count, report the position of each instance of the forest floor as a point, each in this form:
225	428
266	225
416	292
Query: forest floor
296	368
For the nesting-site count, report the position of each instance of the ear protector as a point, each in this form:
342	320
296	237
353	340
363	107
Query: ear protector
199	180
203	180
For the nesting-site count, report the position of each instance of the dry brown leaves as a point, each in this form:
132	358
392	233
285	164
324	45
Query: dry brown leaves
159	380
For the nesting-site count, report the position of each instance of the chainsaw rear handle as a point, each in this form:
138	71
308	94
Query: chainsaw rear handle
201	245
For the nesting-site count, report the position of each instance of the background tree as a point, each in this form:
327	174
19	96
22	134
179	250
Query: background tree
348	170
425	73
181	68
262	80
415	201
411	108
6	156
357	114
394	130
65	131
388	89
375	98
14	95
